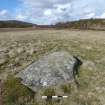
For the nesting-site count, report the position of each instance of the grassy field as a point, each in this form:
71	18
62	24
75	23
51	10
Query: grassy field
19	49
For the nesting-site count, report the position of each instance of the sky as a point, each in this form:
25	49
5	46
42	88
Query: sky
51	11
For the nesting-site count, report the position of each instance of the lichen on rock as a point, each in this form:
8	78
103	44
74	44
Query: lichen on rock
50	70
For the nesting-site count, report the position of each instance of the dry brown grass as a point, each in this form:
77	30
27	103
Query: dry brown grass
19	49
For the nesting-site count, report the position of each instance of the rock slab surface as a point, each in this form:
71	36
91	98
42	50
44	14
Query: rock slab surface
50	70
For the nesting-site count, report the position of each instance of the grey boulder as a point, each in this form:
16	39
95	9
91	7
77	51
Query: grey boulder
50	70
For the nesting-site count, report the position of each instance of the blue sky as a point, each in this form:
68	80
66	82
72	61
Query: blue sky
9	4
51	11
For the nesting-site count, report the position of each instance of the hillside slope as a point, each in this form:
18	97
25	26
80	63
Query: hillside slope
97	24
94	24
15	24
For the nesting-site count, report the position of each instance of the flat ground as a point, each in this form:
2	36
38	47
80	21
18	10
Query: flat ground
20	48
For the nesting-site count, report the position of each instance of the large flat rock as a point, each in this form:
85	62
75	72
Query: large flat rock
50	70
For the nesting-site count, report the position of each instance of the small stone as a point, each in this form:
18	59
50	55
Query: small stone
12	53
2	61
20	50
89	65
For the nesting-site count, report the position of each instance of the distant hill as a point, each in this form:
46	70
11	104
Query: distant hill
95	24
15	24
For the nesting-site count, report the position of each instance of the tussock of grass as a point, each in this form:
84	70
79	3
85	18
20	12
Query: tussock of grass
49	92
16	93
66	88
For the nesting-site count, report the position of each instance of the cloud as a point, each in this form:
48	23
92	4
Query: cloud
52	11
90	15
102	15
5	15
47	11
3	12
21	17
